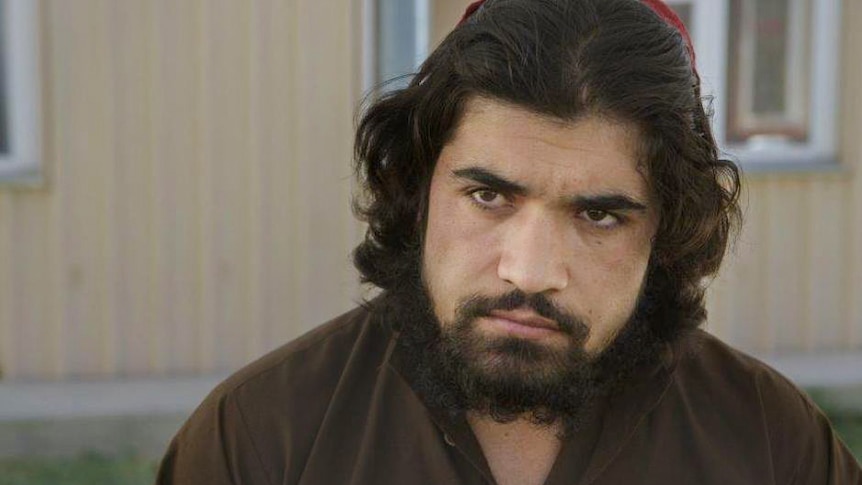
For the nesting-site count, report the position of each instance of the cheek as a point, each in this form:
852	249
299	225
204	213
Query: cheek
619	265
456	232
456	253
612	289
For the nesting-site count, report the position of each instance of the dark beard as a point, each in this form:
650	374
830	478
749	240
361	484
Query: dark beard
507	378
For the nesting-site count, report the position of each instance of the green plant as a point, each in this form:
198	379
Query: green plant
88	469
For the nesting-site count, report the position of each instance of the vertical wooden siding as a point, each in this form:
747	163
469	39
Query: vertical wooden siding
198	159
196	210
789	283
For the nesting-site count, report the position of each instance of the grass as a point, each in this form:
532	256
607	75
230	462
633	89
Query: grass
85	470
843	409
846	420
849	428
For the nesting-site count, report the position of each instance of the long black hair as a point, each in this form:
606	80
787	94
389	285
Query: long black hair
566	59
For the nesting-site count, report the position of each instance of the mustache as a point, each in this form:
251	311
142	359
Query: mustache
481	306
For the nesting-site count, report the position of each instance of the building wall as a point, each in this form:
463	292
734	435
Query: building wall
195	212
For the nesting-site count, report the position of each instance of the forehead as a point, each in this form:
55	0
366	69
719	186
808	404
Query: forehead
590	155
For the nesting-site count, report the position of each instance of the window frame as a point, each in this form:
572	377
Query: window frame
22	165
710	37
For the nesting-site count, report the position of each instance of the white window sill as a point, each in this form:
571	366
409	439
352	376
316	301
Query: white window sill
809	167
22	178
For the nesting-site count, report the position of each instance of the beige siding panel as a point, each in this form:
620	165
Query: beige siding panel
55	294
8	330
254	327
745	281
826	260
851	137
83	139
28	268
176	159
275	41
134	267
785	299
175	32
782	288
853	291
325	281
226	37
206	281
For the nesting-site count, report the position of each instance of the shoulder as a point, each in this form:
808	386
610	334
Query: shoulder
297	380
307	359
739	392
718	366
261	421
709	370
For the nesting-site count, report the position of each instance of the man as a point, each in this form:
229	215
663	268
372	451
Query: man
544	201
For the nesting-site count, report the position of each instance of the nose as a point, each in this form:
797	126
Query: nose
534	256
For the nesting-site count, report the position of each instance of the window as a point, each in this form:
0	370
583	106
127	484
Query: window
399	42
772	67
768	71
20	145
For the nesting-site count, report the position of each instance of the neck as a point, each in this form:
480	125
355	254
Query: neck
518	452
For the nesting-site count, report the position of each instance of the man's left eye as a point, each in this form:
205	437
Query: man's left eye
600	218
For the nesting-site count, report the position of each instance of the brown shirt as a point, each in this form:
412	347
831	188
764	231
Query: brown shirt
332	408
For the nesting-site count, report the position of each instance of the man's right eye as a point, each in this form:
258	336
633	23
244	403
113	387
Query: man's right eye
488	199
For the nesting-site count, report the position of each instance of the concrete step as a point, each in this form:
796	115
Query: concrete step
54	419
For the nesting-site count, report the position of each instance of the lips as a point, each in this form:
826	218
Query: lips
525	318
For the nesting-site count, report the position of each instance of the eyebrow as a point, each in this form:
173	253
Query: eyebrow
491	180
604	202
609	203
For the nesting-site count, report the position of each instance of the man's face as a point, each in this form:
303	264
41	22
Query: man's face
556	212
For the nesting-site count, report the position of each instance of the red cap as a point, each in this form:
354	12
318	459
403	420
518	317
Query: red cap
471	9
669	16
657	6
